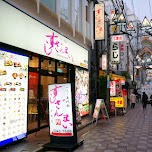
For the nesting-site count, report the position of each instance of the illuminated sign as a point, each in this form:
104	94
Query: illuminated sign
60	110
82	91
104	62
99	21
13	97
115	53
119	101
38	38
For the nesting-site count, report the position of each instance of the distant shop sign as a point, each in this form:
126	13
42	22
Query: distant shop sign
117	38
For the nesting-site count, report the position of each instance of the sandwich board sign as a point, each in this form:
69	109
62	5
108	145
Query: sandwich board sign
100	105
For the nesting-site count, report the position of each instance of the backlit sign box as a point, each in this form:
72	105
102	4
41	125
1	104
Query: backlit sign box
115	53
13	97
104	62
99	21
60	110
119	101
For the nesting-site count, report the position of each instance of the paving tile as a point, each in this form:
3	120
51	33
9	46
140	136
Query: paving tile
129	133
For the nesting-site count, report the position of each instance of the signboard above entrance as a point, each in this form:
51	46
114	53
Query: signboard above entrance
38	38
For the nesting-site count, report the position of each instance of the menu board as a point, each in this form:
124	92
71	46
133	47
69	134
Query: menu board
82	91
13	97
60	110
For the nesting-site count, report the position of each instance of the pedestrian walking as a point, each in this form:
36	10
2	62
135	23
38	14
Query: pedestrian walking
144	100
132	100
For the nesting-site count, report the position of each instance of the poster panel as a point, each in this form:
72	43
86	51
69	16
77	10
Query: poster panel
112	88
118	88
33	85
13	97
97	108
112	106
82	91
60	110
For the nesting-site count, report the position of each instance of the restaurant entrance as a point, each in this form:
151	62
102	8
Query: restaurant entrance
42	72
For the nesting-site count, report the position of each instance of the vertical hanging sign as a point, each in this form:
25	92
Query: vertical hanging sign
113	28
99	21
112	88
104	62
123	57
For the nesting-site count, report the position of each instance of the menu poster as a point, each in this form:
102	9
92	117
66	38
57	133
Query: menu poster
112	88
60	110
82	91
97	108
118	88
13	97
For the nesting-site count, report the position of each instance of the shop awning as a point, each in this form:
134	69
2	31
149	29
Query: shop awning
117	77
112	76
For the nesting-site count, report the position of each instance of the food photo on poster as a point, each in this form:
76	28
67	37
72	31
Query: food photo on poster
60	110
82	91
13	97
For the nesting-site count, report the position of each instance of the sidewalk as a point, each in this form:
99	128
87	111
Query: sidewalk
129	133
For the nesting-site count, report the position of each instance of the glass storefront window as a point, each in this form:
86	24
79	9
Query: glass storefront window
50	4
78	16
32	101
61	68
47	65
33	62
45	81
65	10
61	79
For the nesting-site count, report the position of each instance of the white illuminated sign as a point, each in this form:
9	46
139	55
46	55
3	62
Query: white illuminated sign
38	38
115	53
104	62
60	110
13	97
99	21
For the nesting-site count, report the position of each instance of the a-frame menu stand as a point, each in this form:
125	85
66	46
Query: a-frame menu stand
100	105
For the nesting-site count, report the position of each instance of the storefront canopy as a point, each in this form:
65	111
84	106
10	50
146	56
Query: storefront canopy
117	77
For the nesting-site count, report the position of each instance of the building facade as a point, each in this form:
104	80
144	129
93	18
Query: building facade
56	36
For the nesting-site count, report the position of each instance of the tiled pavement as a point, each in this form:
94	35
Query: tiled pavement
129	133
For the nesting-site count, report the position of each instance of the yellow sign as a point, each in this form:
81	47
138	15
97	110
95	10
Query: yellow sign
119	101
114	28
102	73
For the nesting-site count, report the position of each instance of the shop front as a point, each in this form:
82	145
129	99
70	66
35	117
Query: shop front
36	56
118	94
